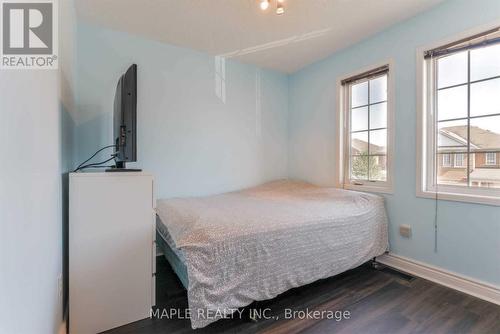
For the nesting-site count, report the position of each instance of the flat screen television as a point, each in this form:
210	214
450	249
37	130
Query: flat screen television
125	120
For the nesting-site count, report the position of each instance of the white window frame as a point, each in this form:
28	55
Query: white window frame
342	142
462	162
425	177
448	160
491	162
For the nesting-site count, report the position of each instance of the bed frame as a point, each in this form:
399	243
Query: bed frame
177	265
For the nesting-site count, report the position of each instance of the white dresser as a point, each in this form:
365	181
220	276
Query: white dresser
111	250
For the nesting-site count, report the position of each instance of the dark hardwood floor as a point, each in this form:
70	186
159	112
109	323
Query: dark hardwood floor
379	301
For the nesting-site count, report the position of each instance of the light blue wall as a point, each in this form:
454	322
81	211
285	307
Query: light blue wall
30	202
194	144
35	141
191	141
469	235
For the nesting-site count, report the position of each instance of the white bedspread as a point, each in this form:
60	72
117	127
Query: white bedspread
254	244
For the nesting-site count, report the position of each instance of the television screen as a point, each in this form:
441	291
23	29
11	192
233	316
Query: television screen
125	118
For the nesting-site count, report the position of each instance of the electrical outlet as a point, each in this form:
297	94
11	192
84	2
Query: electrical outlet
60	285
405	231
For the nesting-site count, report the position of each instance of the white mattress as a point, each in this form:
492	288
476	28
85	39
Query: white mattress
257	243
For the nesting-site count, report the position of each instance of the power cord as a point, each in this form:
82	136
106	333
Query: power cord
83	166
97	164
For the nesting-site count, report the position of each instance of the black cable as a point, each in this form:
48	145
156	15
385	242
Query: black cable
80	165
97	164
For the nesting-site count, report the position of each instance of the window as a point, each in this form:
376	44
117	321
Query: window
460	160
460	116
491	158
446	160
365	134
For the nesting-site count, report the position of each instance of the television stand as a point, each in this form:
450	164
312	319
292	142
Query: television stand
103	207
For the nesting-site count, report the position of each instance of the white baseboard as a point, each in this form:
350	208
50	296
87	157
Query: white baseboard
449	279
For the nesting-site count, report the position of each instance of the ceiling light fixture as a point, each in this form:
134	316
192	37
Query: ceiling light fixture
279	8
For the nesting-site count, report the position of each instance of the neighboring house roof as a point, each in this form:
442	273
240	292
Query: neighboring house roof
360	146
481	139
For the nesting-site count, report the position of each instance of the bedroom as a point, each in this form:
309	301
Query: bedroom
289	179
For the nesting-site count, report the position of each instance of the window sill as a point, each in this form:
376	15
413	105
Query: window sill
456	197
369	188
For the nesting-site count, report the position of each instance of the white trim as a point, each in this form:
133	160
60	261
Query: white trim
424	136
421	98
368	188
341	127
463	197
470	286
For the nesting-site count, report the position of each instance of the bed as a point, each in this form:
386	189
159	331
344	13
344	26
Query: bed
173	254
232	249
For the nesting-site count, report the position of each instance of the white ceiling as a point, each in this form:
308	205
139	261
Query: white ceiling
308	31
